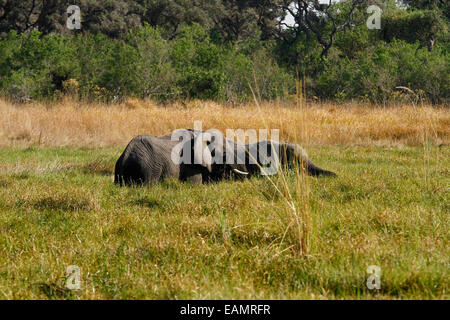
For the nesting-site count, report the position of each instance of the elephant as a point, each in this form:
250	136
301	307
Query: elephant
204	156
253	160
149	159
290	155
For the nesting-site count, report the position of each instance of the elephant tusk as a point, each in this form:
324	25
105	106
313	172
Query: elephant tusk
240	172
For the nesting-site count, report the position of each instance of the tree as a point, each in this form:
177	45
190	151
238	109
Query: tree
425	26
426	4
319	21
43	15
171	14
442	5
237	20
111	17
234	19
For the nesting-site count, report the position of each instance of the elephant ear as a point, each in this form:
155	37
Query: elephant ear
202	154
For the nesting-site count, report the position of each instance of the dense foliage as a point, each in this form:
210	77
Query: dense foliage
224	50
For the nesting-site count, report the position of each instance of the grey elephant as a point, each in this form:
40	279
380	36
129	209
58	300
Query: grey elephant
263	158
148	159
200	157
290	155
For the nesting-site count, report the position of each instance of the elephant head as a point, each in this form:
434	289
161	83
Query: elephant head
265	157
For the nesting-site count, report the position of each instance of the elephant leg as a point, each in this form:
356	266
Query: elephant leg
196	178
191	173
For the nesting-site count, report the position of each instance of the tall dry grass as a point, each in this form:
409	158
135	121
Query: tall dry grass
71	123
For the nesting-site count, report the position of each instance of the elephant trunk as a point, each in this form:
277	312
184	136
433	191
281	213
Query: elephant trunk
300	155
316	171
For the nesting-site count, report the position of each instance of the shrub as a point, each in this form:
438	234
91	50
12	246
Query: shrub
198	63
424	26
33	67
154	74
146	65
377	72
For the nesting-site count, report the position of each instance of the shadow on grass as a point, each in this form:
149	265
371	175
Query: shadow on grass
100	167
3	182
54	291
64	204
149	203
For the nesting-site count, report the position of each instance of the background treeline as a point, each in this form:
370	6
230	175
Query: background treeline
219	49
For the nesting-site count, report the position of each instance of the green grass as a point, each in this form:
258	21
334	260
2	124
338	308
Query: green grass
388	207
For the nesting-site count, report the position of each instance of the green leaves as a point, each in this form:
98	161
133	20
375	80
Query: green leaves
376	72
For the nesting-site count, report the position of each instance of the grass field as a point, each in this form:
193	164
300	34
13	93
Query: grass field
292	238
